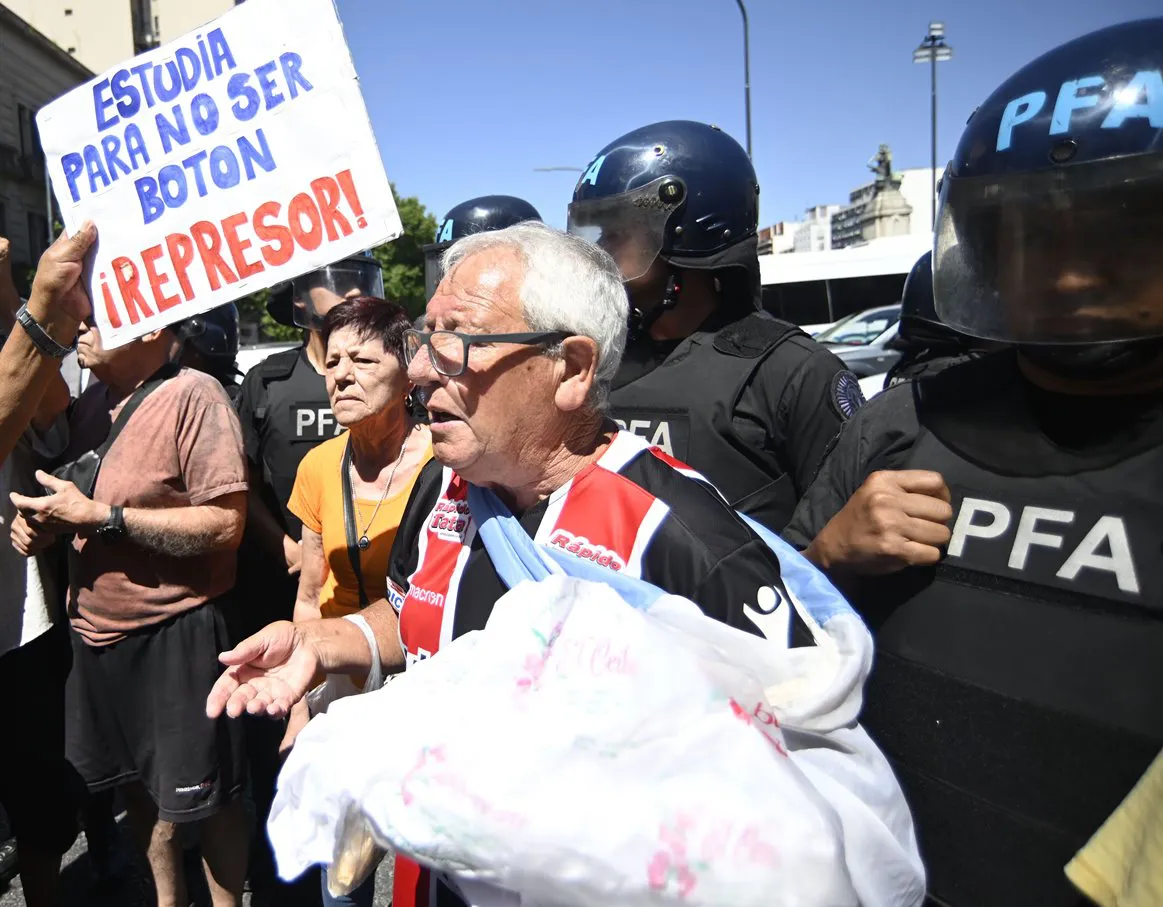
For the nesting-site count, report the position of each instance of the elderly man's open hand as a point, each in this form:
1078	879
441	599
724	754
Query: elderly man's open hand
58	284
267	674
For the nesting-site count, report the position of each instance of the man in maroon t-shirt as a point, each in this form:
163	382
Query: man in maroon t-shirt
152	555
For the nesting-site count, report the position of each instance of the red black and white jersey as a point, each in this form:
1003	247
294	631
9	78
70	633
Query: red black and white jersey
636	511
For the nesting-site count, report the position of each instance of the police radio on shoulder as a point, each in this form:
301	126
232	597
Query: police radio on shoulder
40	337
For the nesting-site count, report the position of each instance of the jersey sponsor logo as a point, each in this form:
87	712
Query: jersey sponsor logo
1088	552
411	658
396	596
450	519
427	596
668	431
581	547
1141	97
314	423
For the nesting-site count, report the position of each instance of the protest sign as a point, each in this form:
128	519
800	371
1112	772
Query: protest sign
229	160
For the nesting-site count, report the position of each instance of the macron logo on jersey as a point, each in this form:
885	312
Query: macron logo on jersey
580	546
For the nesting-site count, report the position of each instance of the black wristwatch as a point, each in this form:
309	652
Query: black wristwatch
114	527
40	337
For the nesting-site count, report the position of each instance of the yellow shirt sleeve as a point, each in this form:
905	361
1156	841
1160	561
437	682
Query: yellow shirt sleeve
306	497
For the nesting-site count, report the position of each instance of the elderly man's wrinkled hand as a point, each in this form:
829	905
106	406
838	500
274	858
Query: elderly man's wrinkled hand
30	538
266	675
896	519
58	281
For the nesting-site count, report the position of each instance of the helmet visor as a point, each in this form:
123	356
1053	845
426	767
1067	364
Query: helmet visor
433	272
1062	256
318	292
631	226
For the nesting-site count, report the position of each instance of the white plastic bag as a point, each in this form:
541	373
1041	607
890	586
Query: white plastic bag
580	752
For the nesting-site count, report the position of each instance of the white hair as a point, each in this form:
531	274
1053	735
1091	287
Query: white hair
569	285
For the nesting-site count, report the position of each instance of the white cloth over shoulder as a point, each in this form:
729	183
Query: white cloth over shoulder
579	752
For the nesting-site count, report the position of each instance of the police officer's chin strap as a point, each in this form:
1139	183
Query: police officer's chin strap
1094	361
640	321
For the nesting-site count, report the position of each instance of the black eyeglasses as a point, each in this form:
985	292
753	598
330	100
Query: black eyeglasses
448	350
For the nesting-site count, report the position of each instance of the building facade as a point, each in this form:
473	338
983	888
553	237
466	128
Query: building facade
778	238
33	71
102	33
815	232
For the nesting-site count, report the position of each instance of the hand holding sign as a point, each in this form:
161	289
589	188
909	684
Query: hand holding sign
58	283
232	159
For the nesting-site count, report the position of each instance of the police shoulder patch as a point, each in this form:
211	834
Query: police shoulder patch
847	397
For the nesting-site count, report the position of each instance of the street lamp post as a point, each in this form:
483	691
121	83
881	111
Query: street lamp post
746	72
933	50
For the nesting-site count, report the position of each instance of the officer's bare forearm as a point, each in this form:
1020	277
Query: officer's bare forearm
188	531
342	648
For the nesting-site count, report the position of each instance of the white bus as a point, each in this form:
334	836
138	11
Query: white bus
815	289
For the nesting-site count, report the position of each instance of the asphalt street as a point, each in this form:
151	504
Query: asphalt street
77	889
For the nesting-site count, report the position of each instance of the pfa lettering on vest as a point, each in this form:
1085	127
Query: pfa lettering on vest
668	431
313	423
1083	551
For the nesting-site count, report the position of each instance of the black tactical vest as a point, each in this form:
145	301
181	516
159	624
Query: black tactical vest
292	416
1018	686
686	406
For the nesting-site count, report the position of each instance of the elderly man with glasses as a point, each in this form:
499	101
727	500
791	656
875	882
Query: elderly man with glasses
522	340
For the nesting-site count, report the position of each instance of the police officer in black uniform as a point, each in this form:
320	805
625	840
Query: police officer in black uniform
927	345
209	343
285	412
749	401
477	215
1000	524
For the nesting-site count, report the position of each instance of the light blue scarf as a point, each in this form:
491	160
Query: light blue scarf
517	557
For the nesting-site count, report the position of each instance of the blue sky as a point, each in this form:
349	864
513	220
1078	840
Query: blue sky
469	96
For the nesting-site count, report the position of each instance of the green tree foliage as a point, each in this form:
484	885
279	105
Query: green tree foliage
402	261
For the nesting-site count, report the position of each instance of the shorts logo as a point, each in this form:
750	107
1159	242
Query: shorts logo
203	788
450	519
580	546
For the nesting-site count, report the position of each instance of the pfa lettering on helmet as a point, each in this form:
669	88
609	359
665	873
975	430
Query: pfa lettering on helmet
592	171
445	233
1141	97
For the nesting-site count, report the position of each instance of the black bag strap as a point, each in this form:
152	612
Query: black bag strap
159	378
349	524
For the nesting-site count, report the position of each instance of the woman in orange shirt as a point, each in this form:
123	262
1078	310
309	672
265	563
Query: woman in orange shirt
350	491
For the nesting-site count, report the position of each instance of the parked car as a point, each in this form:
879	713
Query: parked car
874	358
861	328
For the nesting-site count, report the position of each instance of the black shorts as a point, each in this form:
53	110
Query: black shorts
39	790
137	712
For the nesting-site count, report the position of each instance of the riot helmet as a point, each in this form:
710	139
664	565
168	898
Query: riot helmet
477	215
1048	228
681	191
307	299
213	334
919	326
